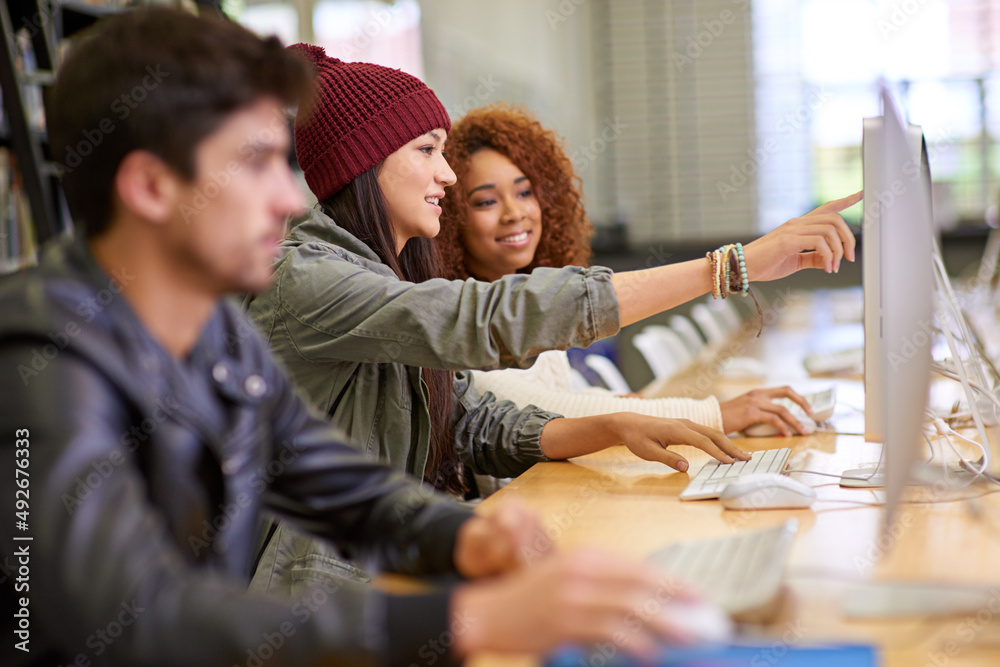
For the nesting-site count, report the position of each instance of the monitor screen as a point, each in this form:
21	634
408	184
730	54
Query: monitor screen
897	269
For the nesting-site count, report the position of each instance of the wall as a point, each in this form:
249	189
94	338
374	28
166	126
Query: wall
521	51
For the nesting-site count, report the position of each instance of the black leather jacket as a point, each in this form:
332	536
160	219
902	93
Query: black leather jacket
146	481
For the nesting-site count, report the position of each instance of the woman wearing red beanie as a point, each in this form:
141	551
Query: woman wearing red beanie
383	348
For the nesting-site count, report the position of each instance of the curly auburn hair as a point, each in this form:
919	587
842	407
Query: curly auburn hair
517	135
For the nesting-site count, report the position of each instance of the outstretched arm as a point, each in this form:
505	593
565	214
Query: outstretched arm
818	240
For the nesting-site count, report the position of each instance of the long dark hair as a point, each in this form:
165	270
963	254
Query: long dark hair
361	209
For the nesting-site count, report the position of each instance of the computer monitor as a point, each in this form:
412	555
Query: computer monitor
897	270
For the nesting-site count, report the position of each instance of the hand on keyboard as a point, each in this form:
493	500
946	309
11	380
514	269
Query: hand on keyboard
649	439
758	407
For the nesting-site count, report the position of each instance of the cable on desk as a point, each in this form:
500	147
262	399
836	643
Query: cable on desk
830	474
863	503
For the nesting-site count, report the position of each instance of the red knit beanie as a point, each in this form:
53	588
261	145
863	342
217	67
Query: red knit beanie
359	115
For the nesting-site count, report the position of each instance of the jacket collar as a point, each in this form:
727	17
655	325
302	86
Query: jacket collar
70	291
318	226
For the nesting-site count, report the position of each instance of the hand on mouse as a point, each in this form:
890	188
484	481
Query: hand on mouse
583	596
757	406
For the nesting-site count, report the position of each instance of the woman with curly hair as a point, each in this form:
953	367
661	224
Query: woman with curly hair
499	137
517	206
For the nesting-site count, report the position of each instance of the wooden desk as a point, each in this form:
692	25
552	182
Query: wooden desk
619	503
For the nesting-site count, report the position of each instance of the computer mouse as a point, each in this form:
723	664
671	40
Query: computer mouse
822	402
767	491
766	430
699	621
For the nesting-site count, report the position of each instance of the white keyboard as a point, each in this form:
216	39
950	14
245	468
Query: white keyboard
741	573
823	404
714	476
838	362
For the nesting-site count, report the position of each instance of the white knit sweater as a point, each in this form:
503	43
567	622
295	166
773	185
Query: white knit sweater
547	385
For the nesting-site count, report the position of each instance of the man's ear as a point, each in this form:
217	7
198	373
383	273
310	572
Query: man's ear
146	187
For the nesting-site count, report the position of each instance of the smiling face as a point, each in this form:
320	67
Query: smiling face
413	180
504	223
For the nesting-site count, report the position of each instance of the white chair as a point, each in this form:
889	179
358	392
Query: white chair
727	313
687	331
610	375
709	324
577	380
674	344
657	355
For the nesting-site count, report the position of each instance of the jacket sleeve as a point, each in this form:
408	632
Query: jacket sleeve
496	437
108	557
337	310
373	513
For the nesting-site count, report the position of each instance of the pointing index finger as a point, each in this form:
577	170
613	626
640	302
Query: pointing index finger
838	205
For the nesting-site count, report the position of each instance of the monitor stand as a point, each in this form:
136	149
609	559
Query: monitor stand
864	478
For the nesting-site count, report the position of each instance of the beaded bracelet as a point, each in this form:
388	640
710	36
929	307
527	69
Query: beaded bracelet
726	284
735	284
729	276
729	271
743	270
713	260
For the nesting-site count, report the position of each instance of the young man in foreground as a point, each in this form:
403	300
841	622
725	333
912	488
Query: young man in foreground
149	428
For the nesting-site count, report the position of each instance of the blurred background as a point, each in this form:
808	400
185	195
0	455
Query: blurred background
690	122
698	119
693	123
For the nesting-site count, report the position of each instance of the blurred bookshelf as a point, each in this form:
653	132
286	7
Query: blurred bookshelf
32	207
18	242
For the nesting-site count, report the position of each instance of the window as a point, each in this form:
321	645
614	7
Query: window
817	65
369	31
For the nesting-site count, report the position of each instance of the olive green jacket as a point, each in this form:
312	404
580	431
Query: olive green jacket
354	337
